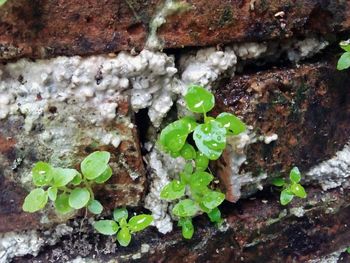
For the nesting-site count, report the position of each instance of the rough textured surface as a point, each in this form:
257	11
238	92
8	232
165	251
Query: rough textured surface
300	117
46	28
72	137
252	230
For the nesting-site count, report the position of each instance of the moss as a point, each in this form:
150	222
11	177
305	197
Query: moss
299	98
226	17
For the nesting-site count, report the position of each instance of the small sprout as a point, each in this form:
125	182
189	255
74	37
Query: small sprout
213	199
344	60
120	213
95	165
121	227
185	208
202	162
278	181
173	190
289	190
194	182
187	227
35	201
199	100
215	215
124	237
52	193
286	197
42	174
106	227
95	207
231	123
63	176
210	139
68	188
188	152
139	222
200	180
62	204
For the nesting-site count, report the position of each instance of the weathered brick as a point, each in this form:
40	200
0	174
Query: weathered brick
307	107
63	135
47	28
253	232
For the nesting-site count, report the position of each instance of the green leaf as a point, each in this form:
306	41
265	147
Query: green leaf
139	222
294	175
187	227
2	2
278	182
62	204
215	215
173	136
52	193
286	197
185	208
42	174
188	123
188	169
104	177
95	207
345	45
95	164
124	237
198	180
213	199
120	213
201	161
344	61
106	227
77	180
188	152
231	123
62	176
79	198
123	222
173	190
35	200
199	100
210	139
298	190
348	250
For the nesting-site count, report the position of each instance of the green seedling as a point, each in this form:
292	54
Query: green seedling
193	185
122	228
348	250
68	189
344	60
291	189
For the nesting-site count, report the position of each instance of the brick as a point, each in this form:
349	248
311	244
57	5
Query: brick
254	232
71	142
307	107
47	28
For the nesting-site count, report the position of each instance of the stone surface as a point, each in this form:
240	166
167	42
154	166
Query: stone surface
258	230
71	141
300	117
46	28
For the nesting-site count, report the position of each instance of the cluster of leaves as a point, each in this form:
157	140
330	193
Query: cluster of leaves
210	141
67	188
122	228
344	60
289	190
